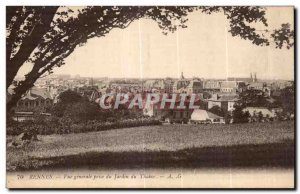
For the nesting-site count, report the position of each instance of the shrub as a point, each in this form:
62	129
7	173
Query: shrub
239	116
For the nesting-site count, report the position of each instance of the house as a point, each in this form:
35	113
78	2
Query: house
168	85
27	116
34	99
188	86
180	85
173	114
126	87
257	86
194	87
212	86
155	110
179	116
157	84
262	86
203	116
233	87
23	116
225	102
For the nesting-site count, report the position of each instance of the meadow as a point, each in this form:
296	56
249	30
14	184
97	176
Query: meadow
186	146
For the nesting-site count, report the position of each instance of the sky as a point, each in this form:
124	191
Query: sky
203	49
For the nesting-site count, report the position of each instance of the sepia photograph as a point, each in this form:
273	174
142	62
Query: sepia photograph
143	97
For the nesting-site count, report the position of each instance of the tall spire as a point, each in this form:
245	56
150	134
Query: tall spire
181	77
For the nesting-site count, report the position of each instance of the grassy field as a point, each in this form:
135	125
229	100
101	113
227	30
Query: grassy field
252	144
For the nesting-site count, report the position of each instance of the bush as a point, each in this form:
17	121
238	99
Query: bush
217	111
102	126
55	125
239	116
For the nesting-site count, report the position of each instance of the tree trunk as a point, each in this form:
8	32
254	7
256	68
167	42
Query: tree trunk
20	90
29	44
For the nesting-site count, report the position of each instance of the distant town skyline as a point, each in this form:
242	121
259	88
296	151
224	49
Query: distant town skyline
145	78
204	50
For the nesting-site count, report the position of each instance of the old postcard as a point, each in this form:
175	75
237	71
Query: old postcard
150	97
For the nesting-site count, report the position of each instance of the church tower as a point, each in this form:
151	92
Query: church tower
181	77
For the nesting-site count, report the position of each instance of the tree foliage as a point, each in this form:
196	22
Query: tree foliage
82	111
283	36
217	110
239	115
254	98
286	99
76	108
68	97
45	36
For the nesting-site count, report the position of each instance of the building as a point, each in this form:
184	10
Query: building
34	99
250	79
212	86
204	116
262	86
192	86
233	87
27	116
180	85
23	116
155	84
257	86
168	85
169	115
126	87
172	114
225	102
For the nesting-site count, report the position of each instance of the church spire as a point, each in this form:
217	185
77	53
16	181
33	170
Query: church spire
181	77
